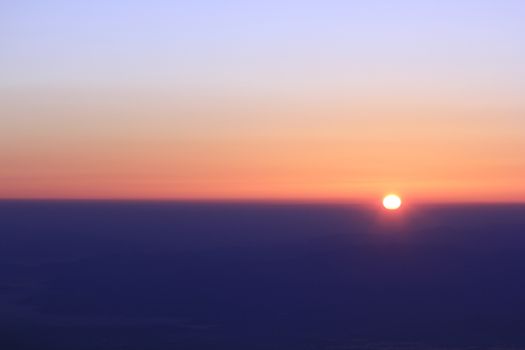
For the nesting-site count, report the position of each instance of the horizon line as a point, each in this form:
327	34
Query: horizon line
258	200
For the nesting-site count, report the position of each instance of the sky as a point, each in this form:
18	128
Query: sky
331	100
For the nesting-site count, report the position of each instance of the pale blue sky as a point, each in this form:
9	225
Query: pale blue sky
168	42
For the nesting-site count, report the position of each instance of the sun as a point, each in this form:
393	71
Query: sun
392	202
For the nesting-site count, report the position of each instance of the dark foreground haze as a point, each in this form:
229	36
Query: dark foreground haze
148	276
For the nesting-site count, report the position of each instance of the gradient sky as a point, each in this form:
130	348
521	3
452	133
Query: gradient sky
266	99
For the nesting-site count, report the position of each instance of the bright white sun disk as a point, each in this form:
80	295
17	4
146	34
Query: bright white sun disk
392	202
